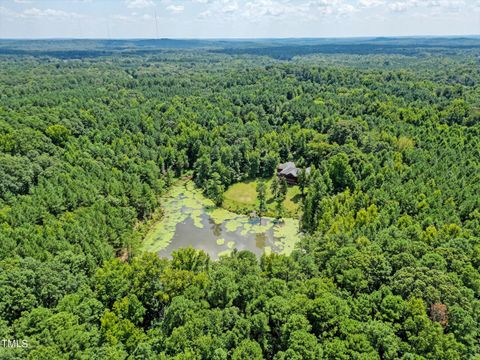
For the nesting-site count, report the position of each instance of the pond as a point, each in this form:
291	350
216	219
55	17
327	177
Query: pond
190	219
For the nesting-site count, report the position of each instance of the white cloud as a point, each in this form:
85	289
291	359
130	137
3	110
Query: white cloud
271	8
347	9
476	7
256	10
7	12
205	15
52	14
134	16
39	1
139	4
175	9
121	17
370	3
229	6
331	7
401	6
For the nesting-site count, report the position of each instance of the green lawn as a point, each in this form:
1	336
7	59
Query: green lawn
242	198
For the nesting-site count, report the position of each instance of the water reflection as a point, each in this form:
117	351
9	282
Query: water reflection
260	240
205	238
216	228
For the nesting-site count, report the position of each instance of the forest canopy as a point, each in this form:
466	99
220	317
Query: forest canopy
387	266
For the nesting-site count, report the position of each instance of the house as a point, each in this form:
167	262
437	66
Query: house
290	172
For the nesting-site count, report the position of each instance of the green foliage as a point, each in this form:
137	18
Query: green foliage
391	217
248	349
58	134
341	173
262	197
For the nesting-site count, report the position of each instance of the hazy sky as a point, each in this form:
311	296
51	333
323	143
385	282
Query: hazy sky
236	18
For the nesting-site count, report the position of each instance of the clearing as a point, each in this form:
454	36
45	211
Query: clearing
242	198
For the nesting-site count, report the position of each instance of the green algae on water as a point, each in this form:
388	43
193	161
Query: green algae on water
233	224
197	219
220	215
190	219
287	234
162	233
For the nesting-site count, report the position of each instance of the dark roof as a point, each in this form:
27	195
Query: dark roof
289	168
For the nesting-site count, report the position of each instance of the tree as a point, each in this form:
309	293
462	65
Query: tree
317	189
344	130
58	134
190	259
303	179
248	349
214	189
456	112
283	188
262	198
341	173
279	207
275	186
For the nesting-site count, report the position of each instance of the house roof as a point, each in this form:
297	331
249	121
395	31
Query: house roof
289	168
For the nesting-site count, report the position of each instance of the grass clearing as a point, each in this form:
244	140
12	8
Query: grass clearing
244	193
242	198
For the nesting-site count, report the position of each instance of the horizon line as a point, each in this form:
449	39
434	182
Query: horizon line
247	38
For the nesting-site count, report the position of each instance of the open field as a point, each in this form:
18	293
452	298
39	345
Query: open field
242	198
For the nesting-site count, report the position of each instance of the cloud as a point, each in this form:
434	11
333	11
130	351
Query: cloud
139	4
205	15
371	3
331	7
175	9
121	17
229	6
35	13
271	8
476	7
134	16
256	10
402	6
7	12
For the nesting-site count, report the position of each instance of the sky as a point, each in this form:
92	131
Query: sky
236	18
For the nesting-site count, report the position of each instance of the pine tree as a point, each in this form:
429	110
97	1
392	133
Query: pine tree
262	197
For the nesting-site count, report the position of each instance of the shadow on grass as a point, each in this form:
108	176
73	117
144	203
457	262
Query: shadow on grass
297	198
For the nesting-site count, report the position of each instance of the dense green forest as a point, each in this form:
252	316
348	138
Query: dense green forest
387	268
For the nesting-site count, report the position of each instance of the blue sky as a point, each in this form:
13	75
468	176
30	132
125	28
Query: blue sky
236	18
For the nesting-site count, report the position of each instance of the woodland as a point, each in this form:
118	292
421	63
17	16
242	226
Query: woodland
387	263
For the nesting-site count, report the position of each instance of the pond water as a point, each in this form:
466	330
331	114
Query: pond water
192	220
